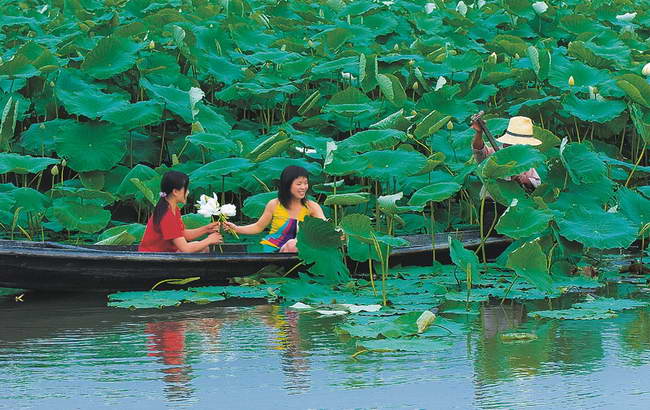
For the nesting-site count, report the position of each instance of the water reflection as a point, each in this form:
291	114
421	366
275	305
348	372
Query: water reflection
166	340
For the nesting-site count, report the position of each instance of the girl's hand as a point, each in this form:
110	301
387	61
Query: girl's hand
230	226
476	127
215	237
212	227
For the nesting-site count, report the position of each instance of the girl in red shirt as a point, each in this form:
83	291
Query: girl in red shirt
165	230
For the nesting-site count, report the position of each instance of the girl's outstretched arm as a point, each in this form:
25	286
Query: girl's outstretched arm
257	226
197	246
191	234
315	210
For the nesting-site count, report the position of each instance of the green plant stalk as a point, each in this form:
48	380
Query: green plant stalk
636	164
505	295
383	268
468	277
372	275
433	235
481	224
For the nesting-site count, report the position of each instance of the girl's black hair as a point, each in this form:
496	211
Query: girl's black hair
289	174
170	181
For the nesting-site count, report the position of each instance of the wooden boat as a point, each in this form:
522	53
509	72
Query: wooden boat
61	267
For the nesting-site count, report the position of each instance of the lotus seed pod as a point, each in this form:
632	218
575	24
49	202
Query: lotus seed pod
396	47
646	70
152	45
450	125
64	163
492	59
571	81
54	171
416	85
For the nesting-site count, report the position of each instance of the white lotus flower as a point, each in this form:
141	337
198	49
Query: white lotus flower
228	210
540	7
425	320
461	7
440	83
429	7
480	3
300	306
348	76
332	312
361	308
208	205
626	17
646	70
305	150
196	94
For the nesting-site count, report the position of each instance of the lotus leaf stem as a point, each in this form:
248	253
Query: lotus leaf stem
636	164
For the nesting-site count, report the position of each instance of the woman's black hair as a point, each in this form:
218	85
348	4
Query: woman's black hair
289	174
170	181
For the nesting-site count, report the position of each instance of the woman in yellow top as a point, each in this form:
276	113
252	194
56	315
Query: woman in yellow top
284	212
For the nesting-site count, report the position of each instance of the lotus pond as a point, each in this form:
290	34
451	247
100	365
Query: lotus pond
70	350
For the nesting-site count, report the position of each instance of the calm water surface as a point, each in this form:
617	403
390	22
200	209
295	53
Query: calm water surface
71	351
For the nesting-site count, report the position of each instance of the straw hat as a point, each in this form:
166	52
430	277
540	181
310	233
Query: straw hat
519	132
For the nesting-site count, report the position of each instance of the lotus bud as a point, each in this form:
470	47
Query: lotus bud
571	81
429	7
349	20
480	3
416	85
284	47
626	17
646	70
516	56
450	125
42	126
51	83
540	7
396	47
310	44
211	26
413	112
54	171
492	59
1	60
175	160
64	163
152	45
411	62
31	34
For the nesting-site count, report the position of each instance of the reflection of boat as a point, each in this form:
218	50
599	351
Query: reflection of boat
52	266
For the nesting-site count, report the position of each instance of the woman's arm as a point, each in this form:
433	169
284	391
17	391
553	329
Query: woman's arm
257	226
184	246
191	234
315	210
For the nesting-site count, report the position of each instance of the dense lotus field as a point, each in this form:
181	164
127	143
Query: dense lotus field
373	98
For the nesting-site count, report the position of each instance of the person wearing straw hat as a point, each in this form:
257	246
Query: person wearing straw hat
519	132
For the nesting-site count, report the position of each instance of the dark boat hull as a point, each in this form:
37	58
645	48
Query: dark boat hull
50	266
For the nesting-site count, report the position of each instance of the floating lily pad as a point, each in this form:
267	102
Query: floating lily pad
596	228
573	314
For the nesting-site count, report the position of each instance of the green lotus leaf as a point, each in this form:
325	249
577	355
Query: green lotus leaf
435	192
272	168
134	230
583	165
391	88
598	229
220	68
91	146
395	121
81	96
583	75
254	204
319	245
39	138
212	172
505	43
111	56
213	142
529	262
31	200
99	197
20	66
141	172
361	250
345	64
548	139
357	225
573	314
75	215
515	109
173	99
388	204
384	165
593	110
641	122
432	163
93	179
23	164
347	199
365	141
122	238
598	193
145	188
155	299
447	102
541	61
135	115
521	220
504	191
8	123
274	150
465	259
610	304
636	87
510	161
416	345
159	68
431	124
633	206
344	164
